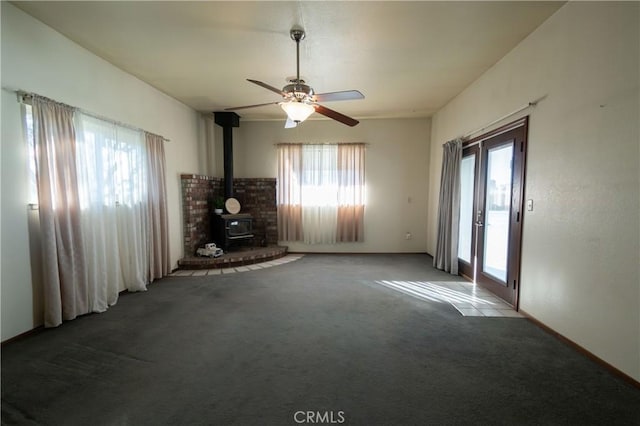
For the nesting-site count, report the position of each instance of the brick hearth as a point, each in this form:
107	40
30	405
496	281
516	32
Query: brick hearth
241	257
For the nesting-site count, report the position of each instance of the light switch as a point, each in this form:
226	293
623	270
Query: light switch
530	205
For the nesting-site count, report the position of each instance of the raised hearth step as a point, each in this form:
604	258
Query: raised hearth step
239	257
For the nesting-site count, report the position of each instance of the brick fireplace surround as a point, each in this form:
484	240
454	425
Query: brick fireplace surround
257	196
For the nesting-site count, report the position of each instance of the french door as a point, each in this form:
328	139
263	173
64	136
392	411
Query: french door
490	227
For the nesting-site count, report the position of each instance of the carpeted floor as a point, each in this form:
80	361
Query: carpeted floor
316	335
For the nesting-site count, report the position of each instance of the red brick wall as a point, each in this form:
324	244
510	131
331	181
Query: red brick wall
257	196
198	194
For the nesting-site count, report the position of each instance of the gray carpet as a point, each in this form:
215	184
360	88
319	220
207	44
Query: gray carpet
317	334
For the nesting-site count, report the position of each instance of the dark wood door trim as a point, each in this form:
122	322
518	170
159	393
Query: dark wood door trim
503	290
517	131
517	216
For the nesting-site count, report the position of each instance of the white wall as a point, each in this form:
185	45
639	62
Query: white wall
397	160
581	244
35	58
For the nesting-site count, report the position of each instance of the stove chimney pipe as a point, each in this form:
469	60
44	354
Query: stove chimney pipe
227	120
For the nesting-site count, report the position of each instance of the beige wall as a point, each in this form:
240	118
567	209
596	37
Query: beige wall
36	58
581	243
581	247
397	160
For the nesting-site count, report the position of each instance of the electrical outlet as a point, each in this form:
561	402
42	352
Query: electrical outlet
407	236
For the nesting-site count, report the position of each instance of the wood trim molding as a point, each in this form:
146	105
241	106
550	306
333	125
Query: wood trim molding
35	330
524	121
613	370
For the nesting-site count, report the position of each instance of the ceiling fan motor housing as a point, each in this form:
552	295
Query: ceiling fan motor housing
299	91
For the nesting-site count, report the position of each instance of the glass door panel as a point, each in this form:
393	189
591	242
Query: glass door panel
497	211
467	193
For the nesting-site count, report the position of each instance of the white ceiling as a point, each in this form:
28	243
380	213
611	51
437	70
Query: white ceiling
407	58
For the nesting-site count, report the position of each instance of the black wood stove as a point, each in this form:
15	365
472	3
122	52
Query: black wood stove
231	229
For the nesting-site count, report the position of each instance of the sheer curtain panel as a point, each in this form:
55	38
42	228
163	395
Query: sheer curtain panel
446	256
98	210
112	163
319	194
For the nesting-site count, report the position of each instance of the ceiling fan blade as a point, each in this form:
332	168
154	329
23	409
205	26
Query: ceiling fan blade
345	95
290	124
251	106
268	87
335	115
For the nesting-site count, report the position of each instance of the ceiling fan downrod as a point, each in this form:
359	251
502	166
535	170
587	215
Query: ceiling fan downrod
297	34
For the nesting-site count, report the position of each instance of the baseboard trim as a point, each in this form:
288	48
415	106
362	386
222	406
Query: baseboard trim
352	253
40	328
21	336
613	370
466	277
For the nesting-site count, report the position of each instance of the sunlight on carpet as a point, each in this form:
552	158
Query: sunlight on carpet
467	298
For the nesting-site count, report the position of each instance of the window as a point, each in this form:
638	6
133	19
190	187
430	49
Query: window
101	194
110	159
321	193
113	163
28	132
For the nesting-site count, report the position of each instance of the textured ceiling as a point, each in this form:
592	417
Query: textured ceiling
407	58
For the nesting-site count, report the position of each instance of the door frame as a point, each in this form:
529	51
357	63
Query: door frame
512	290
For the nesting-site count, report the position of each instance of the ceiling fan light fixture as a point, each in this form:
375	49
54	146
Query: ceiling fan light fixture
297	111
299	100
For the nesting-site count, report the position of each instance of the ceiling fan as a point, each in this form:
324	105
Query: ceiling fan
299	100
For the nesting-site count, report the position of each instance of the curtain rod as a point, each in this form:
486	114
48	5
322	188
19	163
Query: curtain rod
320	143
522	108
25	97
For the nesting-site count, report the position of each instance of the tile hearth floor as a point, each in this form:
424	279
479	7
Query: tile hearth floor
232	270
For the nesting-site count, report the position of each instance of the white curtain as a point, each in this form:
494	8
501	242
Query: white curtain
446	255
98	219
103	213
321	193
112	164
